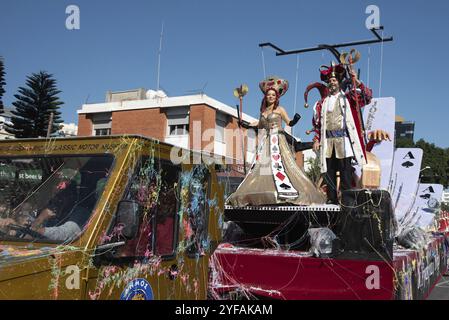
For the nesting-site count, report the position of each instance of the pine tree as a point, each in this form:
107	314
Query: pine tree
34	105
2	83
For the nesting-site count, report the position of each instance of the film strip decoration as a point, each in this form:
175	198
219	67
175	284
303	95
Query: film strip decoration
314	208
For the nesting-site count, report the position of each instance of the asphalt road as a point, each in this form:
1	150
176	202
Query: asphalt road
441	290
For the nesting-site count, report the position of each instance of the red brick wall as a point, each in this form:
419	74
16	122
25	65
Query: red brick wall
206	116
153	123
234	142
146	122
84	125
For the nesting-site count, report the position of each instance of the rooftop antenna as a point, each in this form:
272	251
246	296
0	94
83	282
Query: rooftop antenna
198	91
159	56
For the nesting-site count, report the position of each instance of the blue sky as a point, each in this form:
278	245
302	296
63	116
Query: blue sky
215	44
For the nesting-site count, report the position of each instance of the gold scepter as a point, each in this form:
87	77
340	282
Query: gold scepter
240	92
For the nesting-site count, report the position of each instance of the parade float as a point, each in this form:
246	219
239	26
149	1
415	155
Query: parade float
153	226
385	239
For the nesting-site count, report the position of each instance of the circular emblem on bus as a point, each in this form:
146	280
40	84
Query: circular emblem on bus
433	203
137	289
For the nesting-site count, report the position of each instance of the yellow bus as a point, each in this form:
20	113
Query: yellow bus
106	218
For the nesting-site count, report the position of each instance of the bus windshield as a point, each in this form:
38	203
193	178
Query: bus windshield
49	198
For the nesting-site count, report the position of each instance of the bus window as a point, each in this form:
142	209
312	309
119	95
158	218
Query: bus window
196	209
153	187
166	210
143	188
50	198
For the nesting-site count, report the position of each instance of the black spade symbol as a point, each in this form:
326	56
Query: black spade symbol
285	187
425	196
278	166
408	164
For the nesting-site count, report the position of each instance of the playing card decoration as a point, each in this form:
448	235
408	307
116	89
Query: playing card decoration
404	182
283	185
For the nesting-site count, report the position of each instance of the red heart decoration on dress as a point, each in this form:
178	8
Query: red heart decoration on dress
276	157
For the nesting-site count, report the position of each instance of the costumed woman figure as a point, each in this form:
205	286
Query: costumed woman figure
274	177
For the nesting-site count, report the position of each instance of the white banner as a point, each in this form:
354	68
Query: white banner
426	205
404	180
380	114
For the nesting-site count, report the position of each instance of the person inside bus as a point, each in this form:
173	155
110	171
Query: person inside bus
24	216
62	199
69	227
75	220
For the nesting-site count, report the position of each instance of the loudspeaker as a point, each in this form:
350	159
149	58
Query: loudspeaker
366	225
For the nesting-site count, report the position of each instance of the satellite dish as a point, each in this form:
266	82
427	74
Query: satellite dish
151	94
161	94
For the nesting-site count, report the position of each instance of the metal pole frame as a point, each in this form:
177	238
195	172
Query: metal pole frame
332	48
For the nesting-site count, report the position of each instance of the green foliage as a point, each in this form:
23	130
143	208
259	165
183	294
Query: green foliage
438	160
444	207
404	143
33	107
2	84
314	171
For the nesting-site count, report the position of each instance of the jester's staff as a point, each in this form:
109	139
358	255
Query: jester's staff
349	59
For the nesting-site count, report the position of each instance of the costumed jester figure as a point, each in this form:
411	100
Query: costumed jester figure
338	127
274	177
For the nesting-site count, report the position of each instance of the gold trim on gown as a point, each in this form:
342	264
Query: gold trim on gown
259	187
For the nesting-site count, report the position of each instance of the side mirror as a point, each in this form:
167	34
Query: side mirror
128	217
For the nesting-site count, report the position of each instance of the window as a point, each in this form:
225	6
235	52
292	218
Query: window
167	211
177	121
153	187
103	132
102	124
195	189
178	129
220	125
220	131
51	198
